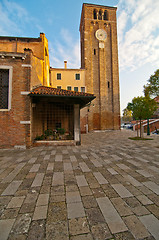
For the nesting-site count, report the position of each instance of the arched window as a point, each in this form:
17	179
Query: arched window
100	15
105	15
95	14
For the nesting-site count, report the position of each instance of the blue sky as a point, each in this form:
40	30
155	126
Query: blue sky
138	34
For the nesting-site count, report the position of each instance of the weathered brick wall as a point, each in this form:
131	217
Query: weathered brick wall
12	132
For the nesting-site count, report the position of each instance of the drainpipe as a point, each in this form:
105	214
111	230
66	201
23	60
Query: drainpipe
148	127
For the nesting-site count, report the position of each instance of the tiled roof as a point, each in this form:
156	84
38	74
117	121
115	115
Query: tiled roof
48	91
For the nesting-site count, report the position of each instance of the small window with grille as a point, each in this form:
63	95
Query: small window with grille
76	89
58	76
4	88
82	89
77	75
69	88
58	87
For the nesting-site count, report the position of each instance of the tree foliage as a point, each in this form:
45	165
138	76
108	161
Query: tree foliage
127	115
142	107
152	87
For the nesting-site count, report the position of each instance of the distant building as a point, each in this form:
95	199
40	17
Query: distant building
38	102
156	114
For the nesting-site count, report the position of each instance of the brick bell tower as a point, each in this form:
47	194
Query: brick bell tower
99	57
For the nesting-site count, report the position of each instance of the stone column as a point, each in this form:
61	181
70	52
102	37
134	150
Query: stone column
77	132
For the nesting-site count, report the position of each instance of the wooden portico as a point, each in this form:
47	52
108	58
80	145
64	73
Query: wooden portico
55	116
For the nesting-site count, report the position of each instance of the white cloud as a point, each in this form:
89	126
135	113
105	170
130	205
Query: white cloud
67	49
138	28
15	20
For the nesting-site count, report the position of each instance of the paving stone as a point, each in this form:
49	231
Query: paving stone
152	224
89	202
153	168
109	191
121	190
37	230
27	208
123	166
84	167
35	168
45	189
58	231
121	206
82	236
154	198
98	192
112	171
12	188
58	158
50	167
67	167
31	197
16	202
125	236
58	179
111	216
5	228
43	199
96	163
71	188
101	231
4	200
47	157
78	226
94	216
133	190
56	198
38	180
136	227
10	213
58	190
57	212
153	209
40	212
73	158
75	210
132	202
145	190
22	224
32	160
140	210
152	186
85	191
144	173
144	200
100	178
135	163
81	181
132	180
14	236
72	197
13	174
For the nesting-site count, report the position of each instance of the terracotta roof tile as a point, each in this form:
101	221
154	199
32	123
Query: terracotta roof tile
48	91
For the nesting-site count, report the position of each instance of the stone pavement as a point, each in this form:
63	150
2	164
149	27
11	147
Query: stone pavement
107	188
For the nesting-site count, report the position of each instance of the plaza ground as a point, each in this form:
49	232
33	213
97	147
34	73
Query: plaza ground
107	188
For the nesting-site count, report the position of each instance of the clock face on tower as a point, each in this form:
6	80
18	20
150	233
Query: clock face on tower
101	34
